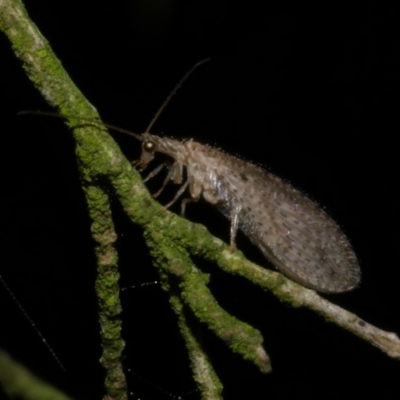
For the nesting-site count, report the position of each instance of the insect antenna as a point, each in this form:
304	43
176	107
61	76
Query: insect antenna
85	121
176	88
113	127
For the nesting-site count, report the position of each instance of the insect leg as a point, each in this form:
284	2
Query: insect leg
153	173
195	189
234	225
174	173
176	197
186	201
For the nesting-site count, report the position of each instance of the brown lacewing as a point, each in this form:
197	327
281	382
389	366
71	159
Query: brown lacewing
292	231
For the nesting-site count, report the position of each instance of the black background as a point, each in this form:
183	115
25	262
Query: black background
306	91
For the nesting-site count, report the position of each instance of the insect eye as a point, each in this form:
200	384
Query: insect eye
149	146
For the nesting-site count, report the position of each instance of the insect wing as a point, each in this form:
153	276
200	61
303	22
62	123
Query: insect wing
292	231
